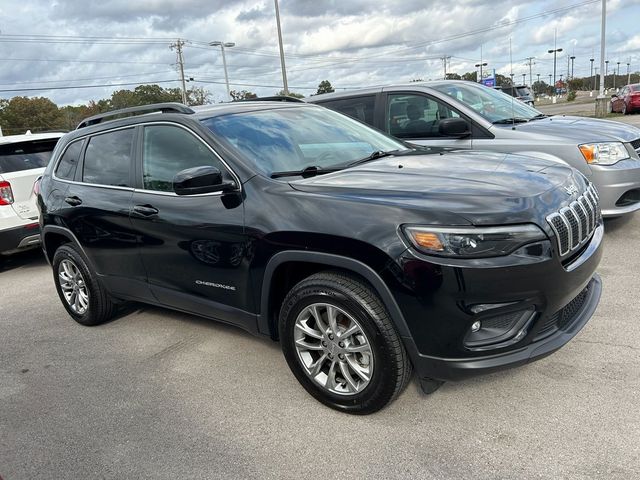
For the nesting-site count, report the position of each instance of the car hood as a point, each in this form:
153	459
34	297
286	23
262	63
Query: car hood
482	187
581	129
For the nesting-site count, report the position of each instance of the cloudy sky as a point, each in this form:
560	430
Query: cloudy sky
98	46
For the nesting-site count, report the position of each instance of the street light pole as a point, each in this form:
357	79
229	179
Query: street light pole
224	62
524	78
555	52
481	64
572	57
615	75
284	70
606	72
538	83
592	82
628	74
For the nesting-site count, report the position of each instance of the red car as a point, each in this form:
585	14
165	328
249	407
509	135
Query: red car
626	100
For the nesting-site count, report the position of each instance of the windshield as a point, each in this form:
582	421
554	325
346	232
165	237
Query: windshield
295	138
25	155
494	105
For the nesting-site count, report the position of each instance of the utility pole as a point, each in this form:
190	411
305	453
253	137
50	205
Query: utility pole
178	46
531	63
284	70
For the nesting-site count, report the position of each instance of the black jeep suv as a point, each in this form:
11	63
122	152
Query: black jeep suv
364	257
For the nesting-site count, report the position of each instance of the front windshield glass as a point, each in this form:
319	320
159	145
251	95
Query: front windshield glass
494	105
295	138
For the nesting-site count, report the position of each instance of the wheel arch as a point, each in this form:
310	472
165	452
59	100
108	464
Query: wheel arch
53	236
287	268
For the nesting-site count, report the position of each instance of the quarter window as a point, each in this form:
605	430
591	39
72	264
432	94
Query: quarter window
68	164
416	116
169	150
107	160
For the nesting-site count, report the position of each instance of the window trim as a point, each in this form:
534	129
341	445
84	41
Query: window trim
140	158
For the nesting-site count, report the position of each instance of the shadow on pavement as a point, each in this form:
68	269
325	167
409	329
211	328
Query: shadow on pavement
615	224
28	259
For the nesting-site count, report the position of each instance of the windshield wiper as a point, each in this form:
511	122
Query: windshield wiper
539	116
372	156
306	172
508	121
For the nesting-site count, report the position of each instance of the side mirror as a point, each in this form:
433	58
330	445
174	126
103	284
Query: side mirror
197	180
454	127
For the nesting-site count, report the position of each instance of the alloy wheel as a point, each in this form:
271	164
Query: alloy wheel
74	288
333	349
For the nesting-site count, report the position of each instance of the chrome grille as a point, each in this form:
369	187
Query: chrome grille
575	223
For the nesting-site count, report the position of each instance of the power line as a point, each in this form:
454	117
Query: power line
5	90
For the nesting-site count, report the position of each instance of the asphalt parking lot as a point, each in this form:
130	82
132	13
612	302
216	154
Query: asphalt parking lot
159	394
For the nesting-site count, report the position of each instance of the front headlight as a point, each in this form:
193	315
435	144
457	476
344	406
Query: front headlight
606	153
471	242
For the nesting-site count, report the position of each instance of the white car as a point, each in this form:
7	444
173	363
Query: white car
22	160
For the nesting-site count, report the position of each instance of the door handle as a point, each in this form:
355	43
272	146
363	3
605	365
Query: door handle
73	201
145	210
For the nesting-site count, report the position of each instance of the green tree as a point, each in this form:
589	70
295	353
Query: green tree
325	87
290	94
453	76
242	95
36	114
470	76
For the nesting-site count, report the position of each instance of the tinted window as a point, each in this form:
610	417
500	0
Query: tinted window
69	162
169	150
416	116
360	108
107	160
26	155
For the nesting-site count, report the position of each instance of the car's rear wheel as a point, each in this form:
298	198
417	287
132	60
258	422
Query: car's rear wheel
340	344
82	295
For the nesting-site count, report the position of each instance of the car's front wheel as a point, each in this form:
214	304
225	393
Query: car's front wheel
82	295
341	345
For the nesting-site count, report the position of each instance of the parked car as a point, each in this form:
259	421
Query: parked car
469	115
521	92
627	100
364	257
22	161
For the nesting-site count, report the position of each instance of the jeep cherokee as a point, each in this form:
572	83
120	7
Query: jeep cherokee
364	257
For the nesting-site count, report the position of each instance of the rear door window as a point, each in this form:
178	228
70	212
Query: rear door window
107	160
360	108
18	156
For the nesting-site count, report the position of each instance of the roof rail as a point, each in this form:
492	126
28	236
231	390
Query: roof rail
275	98
170	107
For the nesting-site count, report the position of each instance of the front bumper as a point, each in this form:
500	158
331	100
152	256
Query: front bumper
618	186
445	369
20	238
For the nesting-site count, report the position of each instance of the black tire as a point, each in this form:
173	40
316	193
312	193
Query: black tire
100	304
391	366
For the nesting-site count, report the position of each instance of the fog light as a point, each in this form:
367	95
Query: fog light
476	326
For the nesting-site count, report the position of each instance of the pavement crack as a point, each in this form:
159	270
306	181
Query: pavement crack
598	342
